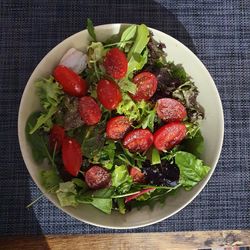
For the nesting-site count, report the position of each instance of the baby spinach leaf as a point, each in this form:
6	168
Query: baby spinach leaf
192	170
194	145
127	35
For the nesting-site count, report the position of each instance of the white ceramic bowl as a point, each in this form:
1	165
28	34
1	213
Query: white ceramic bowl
212	128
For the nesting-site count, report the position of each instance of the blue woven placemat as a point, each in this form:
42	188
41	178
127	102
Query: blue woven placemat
216	30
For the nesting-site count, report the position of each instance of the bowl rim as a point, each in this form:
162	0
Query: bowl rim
201	187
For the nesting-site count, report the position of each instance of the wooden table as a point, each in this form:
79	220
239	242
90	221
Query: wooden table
235	240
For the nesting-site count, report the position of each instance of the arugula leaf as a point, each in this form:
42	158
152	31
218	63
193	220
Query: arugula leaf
93	139
194	145
130	159
192	129
91	29
66	194
192	170
127	35
106	155
103	204
50	94
50	179
169	155
121	205
36	140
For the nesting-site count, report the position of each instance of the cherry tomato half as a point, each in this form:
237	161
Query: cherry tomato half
117	127
56	136
71	155
146	86
169	135
97	177
115	63
109	94
136	175
138	140
170	110
71	83
89	110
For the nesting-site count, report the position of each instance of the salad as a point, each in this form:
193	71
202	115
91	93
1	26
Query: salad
119	126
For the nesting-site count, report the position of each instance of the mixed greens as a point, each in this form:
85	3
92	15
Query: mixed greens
131	174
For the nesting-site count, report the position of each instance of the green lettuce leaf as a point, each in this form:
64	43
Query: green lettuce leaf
51	95
50	179
143	113
192	170
187	94
66	194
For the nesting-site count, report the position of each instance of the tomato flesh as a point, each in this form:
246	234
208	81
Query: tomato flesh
146	86
89	110
109	94
71	155
71	83
136	175
169	135
117	127
56	136
115	63
138	140
170	110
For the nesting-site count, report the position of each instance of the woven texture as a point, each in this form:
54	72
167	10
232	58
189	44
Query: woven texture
216	30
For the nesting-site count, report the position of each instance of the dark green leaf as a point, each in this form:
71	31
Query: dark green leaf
50	179
192	170
194	145
91	29
121	205
36	140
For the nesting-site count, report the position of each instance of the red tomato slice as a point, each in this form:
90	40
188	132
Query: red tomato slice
141	192
117	127
115	63
97	177
146	86
138	140
170	110
89	110
71	155
56	136
71	83
169	135
109	94
136	175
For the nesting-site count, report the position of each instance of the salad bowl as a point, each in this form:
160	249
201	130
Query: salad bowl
212	128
